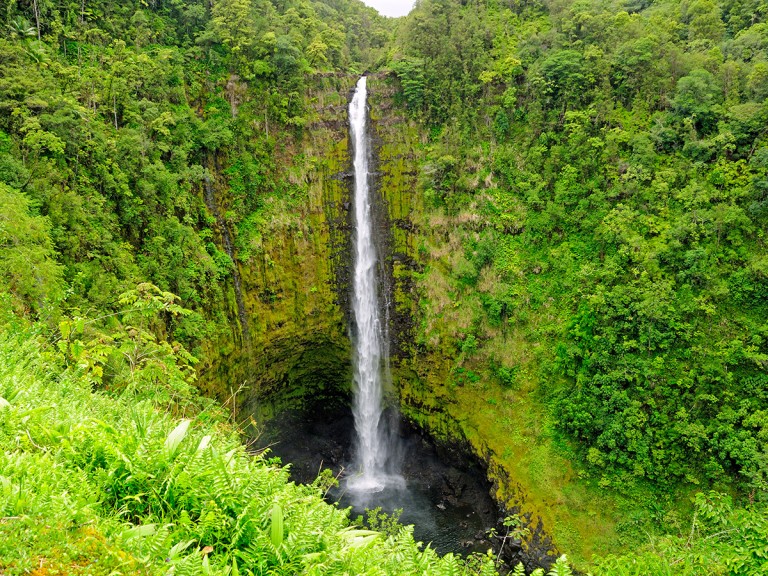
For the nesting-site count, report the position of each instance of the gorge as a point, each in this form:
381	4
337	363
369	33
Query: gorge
568	204
389	465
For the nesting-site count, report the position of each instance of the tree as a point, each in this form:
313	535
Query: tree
133	353
28	268
757	82
21	29
698	97
234	24
565	78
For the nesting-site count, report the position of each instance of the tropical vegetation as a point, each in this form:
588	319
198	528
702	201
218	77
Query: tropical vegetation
592	184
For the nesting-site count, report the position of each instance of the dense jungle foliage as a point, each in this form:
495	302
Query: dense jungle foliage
607	163
124	482
116	116
596	183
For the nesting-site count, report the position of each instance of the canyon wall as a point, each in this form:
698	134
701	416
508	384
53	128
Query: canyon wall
294	293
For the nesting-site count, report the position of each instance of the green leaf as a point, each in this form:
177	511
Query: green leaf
140	531
177	549
357	538
175	438
65	327
204	441
276	525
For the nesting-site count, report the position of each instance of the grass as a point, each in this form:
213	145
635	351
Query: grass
534	466
540	477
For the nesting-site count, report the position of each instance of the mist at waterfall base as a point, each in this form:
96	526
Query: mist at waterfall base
446	496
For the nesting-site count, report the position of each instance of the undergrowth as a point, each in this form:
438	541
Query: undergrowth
100	482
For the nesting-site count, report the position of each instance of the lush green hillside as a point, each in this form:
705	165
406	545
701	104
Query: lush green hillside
614	161
593	250
152	138
124	482
182	144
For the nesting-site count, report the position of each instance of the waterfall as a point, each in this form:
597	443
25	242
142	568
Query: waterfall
373	450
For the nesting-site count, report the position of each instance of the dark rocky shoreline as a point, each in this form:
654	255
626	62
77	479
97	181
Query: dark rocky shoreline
448	480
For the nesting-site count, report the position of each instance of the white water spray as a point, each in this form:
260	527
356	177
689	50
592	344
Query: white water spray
372	439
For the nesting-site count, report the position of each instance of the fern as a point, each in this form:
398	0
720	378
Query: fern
560	567
147	541
180	498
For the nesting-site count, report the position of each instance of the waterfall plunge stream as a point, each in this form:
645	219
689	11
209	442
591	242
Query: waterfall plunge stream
373	459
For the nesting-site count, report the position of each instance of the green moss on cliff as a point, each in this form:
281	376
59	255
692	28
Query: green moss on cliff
292	264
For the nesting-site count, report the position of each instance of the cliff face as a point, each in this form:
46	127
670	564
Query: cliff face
286	304
426	366
445	365
294	298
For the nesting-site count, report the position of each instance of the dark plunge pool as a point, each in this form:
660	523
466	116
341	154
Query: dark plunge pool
446	497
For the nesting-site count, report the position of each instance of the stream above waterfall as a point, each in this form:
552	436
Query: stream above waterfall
447	500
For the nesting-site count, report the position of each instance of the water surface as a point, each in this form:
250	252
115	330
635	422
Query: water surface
445	496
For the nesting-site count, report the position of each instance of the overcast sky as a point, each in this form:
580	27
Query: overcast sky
391	7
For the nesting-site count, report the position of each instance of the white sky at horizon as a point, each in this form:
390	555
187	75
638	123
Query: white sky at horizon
391	7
